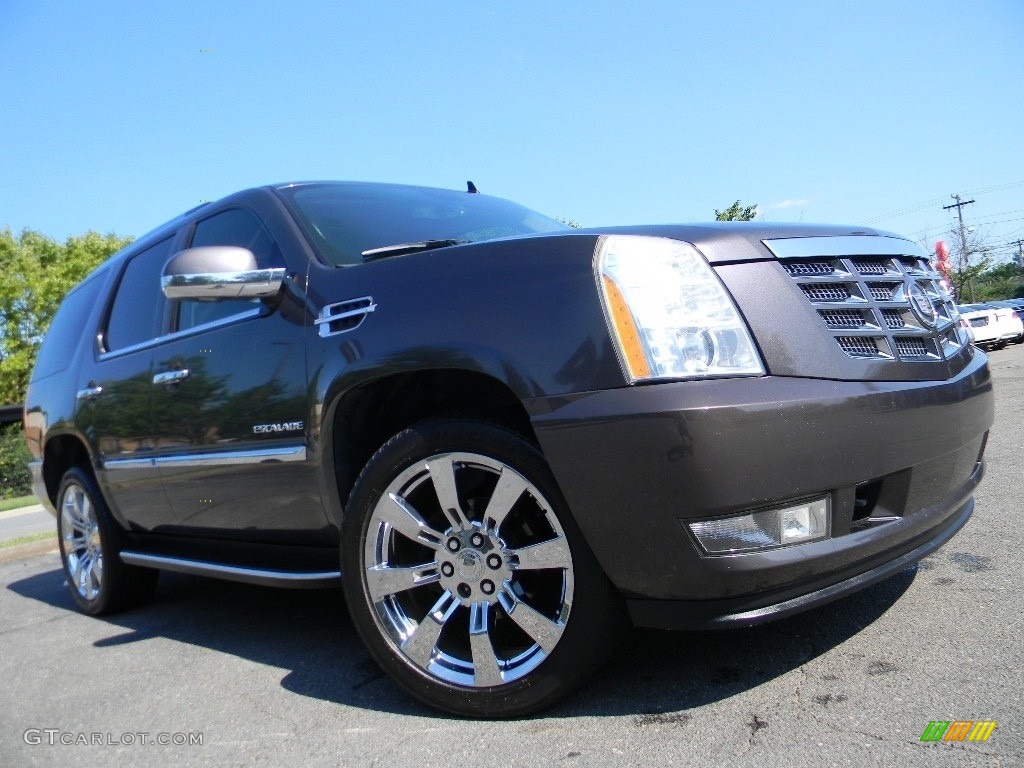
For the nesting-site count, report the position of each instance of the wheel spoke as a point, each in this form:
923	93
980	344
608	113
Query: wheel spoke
85	576
74	567
506	493
94	580
420	645
384	580
72	509
85	510
485	663
442	475
553	553
401	516
79	526
538	626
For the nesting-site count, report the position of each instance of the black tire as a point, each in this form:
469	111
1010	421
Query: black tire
506	630
90	550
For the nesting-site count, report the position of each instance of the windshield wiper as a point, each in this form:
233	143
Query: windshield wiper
402	248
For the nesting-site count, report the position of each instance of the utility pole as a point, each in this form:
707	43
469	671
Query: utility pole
964	255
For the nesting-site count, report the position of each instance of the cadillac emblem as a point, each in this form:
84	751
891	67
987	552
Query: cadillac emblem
920	303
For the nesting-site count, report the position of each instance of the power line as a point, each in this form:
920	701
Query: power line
903	211
921	206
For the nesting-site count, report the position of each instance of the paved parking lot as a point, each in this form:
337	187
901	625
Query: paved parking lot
271	677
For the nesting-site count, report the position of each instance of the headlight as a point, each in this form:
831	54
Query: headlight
669	314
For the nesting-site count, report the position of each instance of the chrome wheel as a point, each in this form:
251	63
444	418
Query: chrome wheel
467	569
81	542
90	549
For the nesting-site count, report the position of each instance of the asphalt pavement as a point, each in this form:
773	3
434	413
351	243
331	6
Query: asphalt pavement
262	676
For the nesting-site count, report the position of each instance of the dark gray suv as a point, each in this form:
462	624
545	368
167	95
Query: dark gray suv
506	439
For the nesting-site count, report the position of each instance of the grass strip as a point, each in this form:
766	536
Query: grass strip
17	503
32	537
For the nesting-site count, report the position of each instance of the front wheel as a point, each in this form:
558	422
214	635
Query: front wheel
466	576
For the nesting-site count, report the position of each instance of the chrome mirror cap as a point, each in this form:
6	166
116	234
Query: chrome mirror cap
218	272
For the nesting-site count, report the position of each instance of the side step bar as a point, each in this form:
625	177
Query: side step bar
268	578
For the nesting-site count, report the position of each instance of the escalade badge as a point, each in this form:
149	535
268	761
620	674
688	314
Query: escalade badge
287	426
920	303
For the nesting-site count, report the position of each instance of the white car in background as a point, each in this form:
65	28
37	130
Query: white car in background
1017	307
992	327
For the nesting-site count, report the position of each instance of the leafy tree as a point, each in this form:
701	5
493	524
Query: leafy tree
1003	281
737	212
36	272
969	260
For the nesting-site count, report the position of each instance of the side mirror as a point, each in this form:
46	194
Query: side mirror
219	272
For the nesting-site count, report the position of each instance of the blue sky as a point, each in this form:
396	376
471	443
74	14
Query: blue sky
118	116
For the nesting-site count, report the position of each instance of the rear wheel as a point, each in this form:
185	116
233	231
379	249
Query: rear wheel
90	550
466	576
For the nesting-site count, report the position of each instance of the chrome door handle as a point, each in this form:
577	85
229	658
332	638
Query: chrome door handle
171	377
89	393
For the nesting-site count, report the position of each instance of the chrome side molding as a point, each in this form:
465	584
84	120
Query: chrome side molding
265	577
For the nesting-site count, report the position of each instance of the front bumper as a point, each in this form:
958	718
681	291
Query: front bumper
899	460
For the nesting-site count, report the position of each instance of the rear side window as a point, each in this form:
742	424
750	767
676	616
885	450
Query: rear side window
66	330
137	312
234	227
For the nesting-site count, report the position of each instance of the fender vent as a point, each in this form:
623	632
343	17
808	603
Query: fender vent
344	316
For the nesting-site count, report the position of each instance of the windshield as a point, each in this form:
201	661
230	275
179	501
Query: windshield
342	220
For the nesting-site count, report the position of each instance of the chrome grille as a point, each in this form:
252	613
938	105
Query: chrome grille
871	267
842	318
866	302
860	346
797	268
893	318
911	347
825	292
884	291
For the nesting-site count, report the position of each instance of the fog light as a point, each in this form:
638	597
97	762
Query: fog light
765	529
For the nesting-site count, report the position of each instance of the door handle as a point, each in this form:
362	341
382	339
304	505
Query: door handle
89	393
171	377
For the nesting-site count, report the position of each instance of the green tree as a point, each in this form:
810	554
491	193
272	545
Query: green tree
737	212
1002	281
969	260
36	272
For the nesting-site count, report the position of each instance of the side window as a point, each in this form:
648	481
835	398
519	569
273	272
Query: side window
138	306
65	334
235	227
